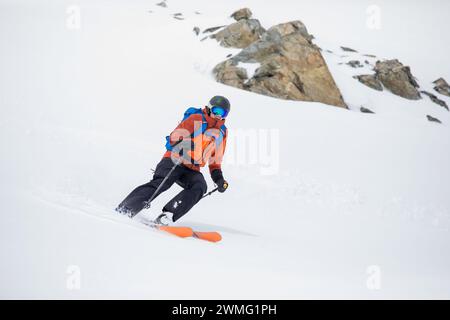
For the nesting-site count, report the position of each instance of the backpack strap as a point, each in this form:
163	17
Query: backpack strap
204	123
223	129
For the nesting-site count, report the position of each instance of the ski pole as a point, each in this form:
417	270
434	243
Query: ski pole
214	190
162	183
159	187
211	192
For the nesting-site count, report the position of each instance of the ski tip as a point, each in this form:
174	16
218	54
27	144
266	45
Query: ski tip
182	232
208	236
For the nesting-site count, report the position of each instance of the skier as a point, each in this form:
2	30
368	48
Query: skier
200	138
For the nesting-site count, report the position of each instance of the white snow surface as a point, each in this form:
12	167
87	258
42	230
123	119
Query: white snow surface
343	205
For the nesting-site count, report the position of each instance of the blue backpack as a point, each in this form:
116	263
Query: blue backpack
187	114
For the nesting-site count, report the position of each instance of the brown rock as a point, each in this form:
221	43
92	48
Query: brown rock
355	64
240	34
433	119
435	99
397	78
348	49
212	29
291	67
228	73
243	13
365	110
442	87
370	80
284	29
196	30
162	4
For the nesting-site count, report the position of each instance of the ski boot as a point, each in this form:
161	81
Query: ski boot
164	219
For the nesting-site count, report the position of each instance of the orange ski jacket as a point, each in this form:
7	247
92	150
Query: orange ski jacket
203	140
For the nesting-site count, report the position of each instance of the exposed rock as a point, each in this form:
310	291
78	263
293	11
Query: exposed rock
433	119
369	55
212	29
366	62
243	13
365	110
355	64
284	29
178	16
435	99
370	80
397	78
228	73
162	4
348	49
229	55
442	87
291	67
240	34
329	51
196	30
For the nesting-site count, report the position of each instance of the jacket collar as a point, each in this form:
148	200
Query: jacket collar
212	123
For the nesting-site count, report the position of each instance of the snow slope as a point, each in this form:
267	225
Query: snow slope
337	195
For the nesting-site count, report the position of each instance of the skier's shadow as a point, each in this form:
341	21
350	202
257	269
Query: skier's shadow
212	227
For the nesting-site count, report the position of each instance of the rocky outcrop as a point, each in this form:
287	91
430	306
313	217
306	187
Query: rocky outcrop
228	73
397	78
435	99
355	64
240	34
291	66
365	110
348	49
433	119
370	80
442	87
212	29
178	16
162	4
240	14
196	30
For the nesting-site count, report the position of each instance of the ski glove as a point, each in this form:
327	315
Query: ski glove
222	185
218	179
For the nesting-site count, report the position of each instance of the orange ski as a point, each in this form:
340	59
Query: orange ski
186	232
208	236
182	232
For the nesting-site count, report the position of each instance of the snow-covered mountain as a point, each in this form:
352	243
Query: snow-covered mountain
323	202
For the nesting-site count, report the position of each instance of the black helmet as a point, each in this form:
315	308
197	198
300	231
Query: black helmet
219	101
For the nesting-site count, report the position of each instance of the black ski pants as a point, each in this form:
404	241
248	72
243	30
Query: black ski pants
191	181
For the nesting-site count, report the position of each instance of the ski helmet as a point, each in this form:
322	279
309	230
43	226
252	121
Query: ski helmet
222	102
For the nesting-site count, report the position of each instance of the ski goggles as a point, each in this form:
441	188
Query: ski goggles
219	111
